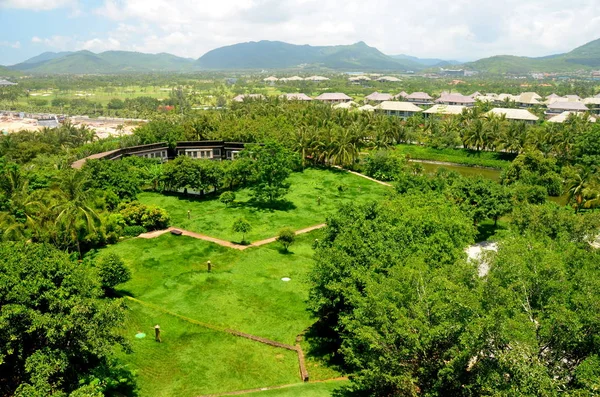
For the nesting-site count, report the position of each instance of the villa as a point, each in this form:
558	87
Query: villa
398	109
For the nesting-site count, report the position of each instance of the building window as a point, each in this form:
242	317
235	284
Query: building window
216	152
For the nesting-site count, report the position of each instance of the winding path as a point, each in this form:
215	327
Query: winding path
224	243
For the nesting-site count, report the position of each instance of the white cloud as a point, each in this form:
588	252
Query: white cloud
14	44
460	29
61	43
37	5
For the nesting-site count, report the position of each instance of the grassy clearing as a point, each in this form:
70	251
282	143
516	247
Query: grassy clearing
300	209
243	292
324	389
192	360
458	156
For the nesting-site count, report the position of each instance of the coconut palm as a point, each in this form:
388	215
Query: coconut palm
583	187
74	214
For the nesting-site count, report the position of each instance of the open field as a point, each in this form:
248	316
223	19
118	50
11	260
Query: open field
458	156
300	210
244	292
192	360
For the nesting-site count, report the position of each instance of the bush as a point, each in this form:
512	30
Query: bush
227	198
133	231
138	214
384	165
112	271
286	237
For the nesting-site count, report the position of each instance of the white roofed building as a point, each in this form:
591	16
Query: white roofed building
243	97
559	107
296	97
564	116
333	97
593	104
455	99
316	78
515	114
398	109
389	79
378	97
420	98
444	110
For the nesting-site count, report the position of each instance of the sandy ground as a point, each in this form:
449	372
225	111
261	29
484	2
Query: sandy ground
103	128
9	124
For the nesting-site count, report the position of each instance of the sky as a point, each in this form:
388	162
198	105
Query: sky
458	29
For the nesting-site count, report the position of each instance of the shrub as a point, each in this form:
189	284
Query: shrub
133	231
286	237
227	198
138	214
384	165
112	271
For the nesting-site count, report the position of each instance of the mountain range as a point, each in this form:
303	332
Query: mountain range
585	57
280	55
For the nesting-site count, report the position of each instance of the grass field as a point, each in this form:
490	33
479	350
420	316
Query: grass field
300	210
458	156
192	360
243	292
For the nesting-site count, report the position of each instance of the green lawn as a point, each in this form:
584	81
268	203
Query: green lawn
192	360
459	156
244	291
300	210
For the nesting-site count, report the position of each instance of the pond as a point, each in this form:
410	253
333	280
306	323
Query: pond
489	173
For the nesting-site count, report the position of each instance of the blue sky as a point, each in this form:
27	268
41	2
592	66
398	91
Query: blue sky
457	29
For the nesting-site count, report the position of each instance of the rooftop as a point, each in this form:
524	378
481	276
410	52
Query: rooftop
578	106
564	116
445	109
399	106
333	96
514	114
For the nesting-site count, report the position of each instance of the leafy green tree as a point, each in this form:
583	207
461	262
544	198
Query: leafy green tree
272	164
112	271
384	165
286	237
227	198
57	337
241	225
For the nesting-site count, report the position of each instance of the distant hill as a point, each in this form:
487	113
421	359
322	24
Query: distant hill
86	62
280	55
427	62
585	57
6	72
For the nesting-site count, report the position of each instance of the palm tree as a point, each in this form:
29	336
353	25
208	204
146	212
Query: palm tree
583	187
476	134
73	208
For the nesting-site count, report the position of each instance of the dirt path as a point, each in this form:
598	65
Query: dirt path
301	231
236	393
224	243
364	176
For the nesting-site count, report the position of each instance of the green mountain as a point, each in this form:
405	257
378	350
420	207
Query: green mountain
6	72
586	57
86	62
427	62
278	55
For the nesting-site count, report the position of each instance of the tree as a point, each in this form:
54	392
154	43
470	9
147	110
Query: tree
227	198
286	237
57	337
241	225
271	166
112	271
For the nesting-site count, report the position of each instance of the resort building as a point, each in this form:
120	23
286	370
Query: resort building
208	150
333	97
559	107
564	116
515	114
378	97
455	99
420	98
444	110
296	97
399	109
243	97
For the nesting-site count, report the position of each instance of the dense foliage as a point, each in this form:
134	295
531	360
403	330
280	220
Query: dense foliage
57	337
